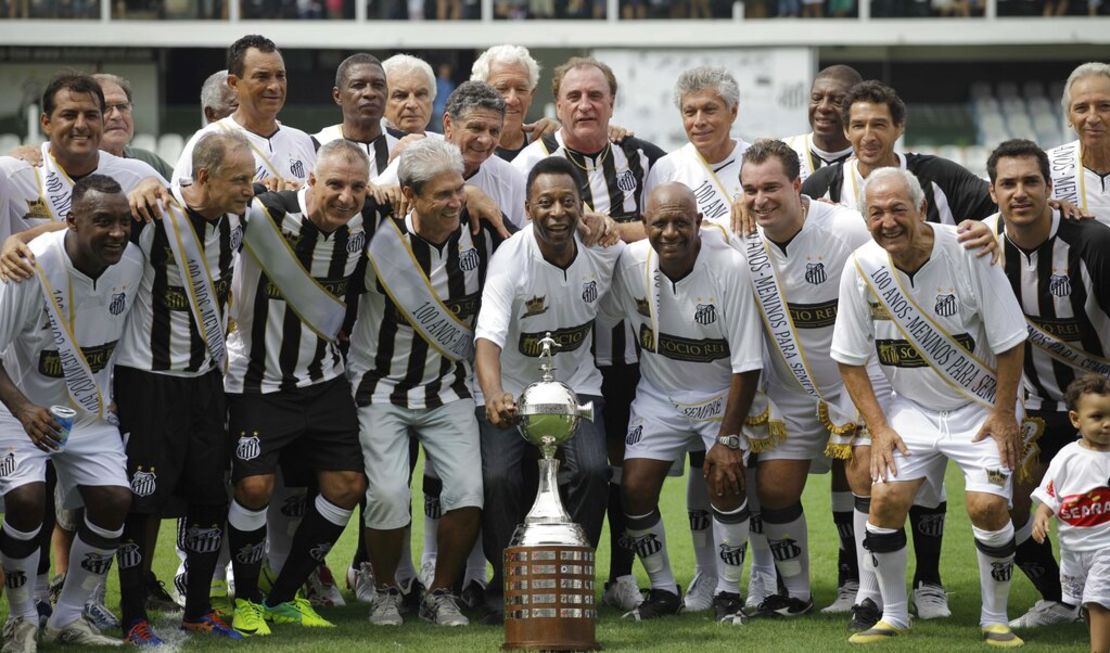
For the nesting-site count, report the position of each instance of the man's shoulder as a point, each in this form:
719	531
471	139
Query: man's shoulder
502	170
127	172
935	168
823	177
634	144
294	135
1091	237
328	134
282	201
530	155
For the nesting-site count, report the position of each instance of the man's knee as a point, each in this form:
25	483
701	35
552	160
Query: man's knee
387	506
344	489
107	506
25	506
890	502
988	511
780	486
253	492
640	486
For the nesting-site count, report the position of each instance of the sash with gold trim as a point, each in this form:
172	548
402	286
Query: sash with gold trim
412	293
55	186
259	155
320	310
1066	165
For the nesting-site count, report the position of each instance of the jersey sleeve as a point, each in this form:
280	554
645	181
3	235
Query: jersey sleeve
743	328
1046	491
853	332
1096	258
1001	313
969	196
183	169
18	308
516	213
497	298
611	308
817	185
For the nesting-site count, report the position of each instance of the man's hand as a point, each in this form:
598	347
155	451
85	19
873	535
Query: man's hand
1003	427
481	207
617	134
1040	523
724	470
405	141
541	128
30	153
598	229
976	235
148	199
44	431
501	410
743	223
390	195
1069	211
17	263
278	184
883	443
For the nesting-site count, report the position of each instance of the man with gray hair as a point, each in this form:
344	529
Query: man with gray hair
119	123
1080	168
512	72
412	90
411	376
217	100
950	338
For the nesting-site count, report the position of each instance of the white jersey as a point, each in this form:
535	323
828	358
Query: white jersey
33	195
497	178
810	157
965	295
525	297
1077	184
708	322
97	314
162	334
288	153
716	185
1077	489
378	149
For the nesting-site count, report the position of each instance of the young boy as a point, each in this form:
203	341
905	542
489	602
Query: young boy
1076	488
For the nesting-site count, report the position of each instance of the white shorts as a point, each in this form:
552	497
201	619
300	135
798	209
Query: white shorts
1085	577
935	437
659	430
806	436
449	435
93	456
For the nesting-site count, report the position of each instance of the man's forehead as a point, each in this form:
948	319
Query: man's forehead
257	59
830	85
409	80
364	71
872	110
67	97
99	203
584	76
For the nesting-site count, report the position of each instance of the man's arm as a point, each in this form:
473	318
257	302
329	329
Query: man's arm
884	440
19	305
500	405
1002	424
17	262
724	467
37	421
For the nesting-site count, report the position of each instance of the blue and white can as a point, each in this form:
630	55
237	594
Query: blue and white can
63	415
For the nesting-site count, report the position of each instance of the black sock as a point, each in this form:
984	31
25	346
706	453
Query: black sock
927	525
132	580
246	539
200	538
1039	566
322	525
620	556
847	565
433	487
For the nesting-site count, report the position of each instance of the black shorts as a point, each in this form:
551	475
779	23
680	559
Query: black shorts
618	386
318	423
176	444
1056	434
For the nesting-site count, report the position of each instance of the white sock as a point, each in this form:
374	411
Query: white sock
20	573
887	548
283	518
995	552
697	508
405	571
476	564
868	582
90	558
42	587
789	542
763	563
1024	532
431	541
730	529
649	540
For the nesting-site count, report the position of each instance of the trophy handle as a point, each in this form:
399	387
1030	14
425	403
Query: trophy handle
586	410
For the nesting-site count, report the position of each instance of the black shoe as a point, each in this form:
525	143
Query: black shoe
782	606
157	598
657	603
727	607
411	596
864	616
492	617
473	595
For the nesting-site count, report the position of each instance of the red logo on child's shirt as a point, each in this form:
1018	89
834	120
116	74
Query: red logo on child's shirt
1091	508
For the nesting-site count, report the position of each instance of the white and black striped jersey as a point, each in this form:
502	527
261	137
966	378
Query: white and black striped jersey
953	194
498	179
99	310
271	349
715	185
378	149
162	334
288	153
811	158
1064	288
509	154
612	183
388	362
1089	191
525	296
31	195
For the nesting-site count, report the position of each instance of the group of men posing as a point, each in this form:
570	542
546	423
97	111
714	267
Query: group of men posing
312	308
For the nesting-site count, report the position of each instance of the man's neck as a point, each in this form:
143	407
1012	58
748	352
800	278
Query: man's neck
560	257
1097	158
196	200
1032	235
264	126
718	152
110	149
586	144
912	260
80	261
677	270
433	231
890	160
363	131
513	140
835	143
75	166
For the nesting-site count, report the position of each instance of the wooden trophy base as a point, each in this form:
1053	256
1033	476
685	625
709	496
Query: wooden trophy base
549	598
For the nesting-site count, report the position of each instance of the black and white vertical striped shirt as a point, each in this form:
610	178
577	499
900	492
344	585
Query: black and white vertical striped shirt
271	349
612	183
378	149
1064	288
388	361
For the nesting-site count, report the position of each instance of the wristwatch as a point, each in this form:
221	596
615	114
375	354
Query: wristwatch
730	441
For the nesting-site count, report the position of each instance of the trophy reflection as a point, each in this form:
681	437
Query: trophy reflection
549	564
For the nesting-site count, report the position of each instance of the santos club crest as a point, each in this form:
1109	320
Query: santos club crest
143	484
249	447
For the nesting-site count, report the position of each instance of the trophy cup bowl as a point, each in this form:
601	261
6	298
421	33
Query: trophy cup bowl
549	564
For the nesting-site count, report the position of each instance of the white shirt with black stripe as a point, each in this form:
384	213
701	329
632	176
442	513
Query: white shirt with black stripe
162	334
271	349
1092	190
1064	287
812	158
378	149
715	185
288	152
497	178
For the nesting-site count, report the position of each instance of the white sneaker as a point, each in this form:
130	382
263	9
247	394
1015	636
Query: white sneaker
760	585
385	607
845	599
320	589
80	632
699	593
427	572
441	608
622	593
1046	613
20	636
931	602
361	582
97	613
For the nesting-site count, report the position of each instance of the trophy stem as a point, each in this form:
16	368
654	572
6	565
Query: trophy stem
548	508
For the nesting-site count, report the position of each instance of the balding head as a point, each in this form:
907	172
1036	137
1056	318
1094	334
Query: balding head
674	194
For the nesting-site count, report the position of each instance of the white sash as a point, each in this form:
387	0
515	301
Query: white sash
320	310
959	367
1066	164
410	289
259	155
197	278
55	186
1064	352
53	273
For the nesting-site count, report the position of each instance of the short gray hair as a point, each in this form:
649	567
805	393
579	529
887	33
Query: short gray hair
473	95
400	64
1089	69
341	147
117	80
212	92
714	78
507	55
212	149
917	195
425	159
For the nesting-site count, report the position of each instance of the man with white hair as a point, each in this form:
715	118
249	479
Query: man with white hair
950	339
217	100
360	91
512	72
408	107
1081	168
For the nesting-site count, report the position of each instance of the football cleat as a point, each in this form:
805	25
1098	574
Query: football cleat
249	619
1046	613
622	593
880	632
776	605
1000	636
864	615
930	601
699	593
657	603
845	599
727	609
211	624
298	611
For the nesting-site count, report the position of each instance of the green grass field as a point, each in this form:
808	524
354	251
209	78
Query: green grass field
690	633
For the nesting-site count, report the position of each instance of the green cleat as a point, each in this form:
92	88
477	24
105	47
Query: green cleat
1000	636
298	611
250	619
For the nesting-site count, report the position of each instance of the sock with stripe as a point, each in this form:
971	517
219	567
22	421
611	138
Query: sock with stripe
20	554
1037	562
847	567
868	581
433	488
731	530
322	525
887	548
927	526
789	542
621	555
649	540
246	539
201	539
994	551
90	558
701	520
